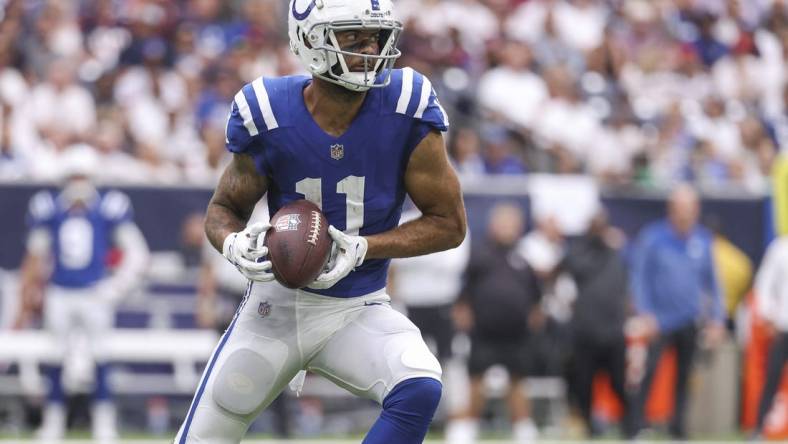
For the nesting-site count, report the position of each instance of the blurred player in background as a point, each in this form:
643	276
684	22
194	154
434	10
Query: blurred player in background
600	310
72	234
499	308
771	293
355	138
675	288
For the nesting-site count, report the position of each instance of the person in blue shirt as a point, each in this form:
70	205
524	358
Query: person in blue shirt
72	232
356	137
676	290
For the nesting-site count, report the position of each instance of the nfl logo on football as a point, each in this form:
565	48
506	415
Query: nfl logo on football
288	222
337	151
264	309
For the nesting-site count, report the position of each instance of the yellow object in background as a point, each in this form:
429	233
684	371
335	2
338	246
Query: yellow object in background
734	272
780	194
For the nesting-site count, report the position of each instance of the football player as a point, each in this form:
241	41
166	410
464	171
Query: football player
71	235
355	138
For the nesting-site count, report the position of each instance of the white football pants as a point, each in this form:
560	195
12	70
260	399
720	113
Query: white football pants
361	344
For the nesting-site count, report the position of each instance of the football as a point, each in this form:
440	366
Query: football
298	243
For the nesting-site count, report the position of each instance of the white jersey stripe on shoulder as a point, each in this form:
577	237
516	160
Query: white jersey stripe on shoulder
265	104
42	205
246	113
443	112
407	90
426	90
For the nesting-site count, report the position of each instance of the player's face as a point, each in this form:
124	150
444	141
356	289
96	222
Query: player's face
683	211
78	189
360	42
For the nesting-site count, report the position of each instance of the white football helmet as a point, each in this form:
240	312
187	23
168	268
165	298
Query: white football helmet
312	27
78	167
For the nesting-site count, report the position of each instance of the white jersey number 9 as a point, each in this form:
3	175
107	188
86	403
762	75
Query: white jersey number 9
76	243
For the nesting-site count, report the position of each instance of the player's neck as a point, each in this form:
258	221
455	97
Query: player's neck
332	107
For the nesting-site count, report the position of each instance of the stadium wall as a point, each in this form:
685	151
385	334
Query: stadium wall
160	213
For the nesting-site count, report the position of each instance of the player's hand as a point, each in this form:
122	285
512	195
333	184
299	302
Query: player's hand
108	290
463	318
245	250
348	253
714	334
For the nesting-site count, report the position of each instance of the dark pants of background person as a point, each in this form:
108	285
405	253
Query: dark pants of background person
512	354
435	322
684	341
778	354
591	356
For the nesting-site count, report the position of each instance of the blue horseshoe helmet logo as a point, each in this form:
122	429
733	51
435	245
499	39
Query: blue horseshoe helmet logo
305	14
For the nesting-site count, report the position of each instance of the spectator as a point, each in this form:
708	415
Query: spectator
466	152
595	263
75	230
498	307
771	295
512	91
63	110
500	152
675	287
708	46
176	65
562	110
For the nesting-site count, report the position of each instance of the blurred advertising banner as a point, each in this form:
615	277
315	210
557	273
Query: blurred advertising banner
571	200
161	212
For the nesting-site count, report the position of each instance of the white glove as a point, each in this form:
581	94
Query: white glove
347	253
110	291
245	249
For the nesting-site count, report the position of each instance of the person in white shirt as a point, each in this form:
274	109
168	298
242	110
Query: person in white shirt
512	91
771	305
429	286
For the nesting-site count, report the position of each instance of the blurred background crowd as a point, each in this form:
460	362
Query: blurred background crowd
629	91
611	95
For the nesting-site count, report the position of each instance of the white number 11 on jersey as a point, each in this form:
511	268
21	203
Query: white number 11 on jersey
352	187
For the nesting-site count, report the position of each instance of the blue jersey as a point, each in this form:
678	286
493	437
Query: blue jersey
357	178
81	236
673	277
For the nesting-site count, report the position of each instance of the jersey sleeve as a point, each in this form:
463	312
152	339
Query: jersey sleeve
238	138
116	208
251	115
41	209
417	99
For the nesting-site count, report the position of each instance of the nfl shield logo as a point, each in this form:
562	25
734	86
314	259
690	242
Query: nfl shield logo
337	151
264	309
287	222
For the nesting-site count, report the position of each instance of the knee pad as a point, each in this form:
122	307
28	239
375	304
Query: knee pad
247	378
409	357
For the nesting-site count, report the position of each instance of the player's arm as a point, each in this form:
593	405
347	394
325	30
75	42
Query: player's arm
239	190
130	272
231	206
434	187
32	275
